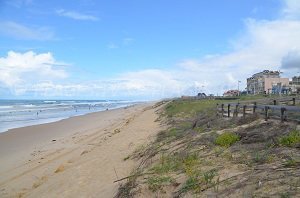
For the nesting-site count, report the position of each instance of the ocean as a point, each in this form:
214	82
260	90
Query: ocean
20	113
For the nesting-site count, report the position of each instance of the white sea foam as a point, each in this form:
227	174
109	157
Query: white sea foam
19	113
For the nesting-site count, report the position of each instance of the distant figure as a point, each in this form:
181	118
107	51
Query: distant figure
106	109
37	113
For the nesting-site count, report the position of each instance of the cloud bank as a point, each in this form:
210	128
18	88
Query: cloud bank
19	71
76	15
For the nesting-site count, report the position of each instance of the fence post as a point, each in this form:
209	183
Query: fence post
254	108
294	101
282	115
228	108
236	110
274	102
266	113
244	111
222	110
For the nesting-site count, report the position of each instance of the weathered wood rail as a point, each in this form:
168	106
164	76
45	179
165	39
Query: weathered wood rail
283	112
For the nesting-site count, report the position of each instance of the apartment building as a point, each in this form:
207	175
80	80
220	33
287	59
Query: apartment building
266	82
295	84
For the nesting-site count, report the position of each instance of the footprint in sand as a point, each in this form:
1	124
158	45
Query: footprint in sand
70	161
39	182
61	168
130	145
84	152
116	131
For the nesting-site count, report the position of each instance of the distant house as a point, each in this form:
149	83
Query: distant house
295	84
201	95
231	93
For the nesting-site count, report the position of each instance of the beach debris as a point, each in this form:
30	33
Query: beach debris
116	174
117	131
259	184
84	152
70	161
61	168
54	140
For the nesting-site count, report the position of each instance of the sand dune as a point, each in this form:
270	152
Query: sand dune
76	157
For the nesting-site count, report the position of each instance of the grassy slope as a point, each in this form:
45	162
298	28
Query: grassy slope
201	154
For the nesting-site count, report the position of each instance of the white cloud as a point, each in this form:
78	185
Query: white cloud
112	46
291	9
19	31
266	44
76	15
17	69
18	3
127	41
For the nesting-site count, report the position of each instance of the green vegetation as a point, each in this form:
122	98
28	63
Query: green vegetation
292	139
291	163
254	97
199	181
190	164
156	183
192	183
191	157
173	133
209	175
227	139
175	163
186	108
263	157
166	164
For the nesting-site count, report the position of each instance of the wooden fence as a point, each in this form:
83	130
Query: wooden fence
283	112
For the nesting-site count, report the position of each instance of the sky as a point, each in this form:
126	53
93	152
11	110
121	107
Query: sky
142	49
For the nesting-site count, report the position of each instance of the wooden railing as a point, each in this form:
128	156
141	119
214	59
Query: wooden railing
283	112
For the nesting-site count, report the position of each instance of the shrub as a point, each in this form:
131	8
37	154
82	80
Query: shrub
156	183
263	157
209	175
290	163
291	139
166	164
192	183
190	164
199	180
227	139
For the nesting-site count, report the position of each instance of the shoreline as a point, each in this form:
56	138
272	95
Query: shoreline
97	140
15	138
40	121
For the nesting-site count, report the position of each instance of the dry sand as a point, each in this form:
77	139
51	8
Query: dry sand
76	157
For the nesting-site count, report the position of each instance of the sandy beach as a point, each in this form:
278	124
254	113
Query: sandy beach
76	157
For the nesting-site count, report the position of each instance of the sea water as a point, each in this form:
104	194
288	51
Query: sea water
20	113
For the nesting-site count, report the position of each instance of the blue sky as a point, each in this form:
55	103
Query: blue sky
142	49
